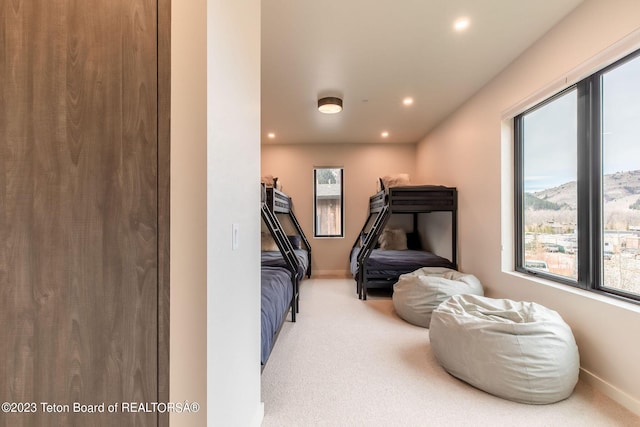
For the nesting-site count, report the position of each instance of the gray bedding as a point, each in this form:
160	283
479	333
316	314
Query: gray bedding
394	263
277	292
275	259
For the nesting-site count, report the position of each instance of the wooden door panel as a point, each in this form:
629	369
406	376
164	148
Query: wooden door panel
78	208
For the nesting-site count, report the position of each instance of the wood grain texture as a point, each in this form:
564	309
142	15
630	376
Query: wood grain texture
164	200
79	208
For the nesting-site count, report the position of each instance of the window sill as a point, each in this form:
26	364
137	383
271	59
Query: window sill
594	296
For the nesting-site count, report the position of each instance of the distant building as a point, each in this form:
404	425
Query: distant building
328	208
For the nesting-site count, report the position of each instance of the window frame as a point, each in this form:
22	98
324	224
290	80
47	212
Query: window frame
315	203
589	187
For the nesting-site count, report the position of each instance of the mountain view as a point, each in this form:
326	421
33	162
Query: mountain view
550	230
558	204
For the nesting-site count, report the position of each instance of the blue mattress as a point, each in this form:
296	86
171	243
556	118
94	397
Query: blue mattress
275	259
395	263
277	292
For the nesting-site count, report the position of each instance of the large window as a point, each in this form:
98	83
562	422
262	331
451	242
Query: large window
577	169
328	202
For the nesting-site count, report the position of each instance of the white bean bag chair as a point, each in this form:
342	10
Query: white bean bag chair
519	351
417	294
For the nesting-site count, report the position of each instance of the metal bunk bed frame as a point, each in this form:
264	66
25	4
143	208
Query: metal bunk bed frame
286	249
280	203
401	200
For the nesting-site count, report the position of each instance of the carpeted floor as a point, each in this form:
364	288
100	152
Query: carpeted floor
347	362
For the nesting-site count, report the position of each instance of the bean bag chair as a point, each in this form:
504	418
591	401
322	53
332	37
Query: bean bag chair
417	294
520	351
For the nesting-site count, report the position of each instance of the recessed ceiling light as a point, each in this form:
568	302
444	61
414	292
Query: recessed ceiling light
461	24
384	134
271	135
407	101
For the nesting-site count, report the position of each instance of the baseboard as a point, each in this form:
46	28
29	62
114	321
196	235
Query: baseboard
257	420
624	399
330	274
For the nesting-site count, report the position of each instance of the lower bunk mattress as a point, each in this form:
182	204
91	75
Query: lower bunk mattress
275	259
276	296
391	263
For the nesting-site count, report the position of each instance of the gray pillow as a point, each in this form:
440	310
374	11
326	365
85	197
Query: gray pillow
296	241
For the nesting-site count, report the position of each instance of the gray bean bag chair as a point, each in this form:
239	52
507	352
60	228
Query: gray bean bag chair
519	351
417	294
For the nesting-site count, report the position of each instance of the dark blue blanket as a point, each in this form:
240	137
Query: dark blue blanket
275	259
277	292
394	263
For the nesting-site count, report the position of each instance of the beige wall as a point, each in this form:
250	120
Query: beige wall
215	298
362	163
476	139
188	333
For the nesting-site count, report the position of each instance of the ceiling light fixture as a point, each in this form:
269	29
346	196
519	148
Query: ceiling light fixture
271	135
384	134
330	105
407	101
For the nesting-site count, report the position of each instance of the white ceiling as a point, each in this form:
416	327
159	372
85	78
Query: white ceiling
373	53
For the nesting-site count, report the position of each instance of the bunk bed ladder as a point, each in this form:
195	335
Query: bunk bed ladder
360	243
286	249
296	224
368	246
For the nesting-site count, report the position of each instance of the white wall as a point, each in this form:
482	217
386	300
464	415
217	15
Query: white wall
215	149
363	164
472	150
233	197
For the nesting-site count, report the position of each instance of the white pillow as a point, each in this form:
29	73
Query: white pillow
267	242
393	239
271	181
397	180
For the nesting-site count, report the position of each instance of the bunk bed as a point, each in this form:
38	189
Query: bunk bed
377	268
281	271
280	204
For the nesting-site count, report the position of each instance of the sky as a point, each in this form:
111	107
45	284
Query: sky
550	131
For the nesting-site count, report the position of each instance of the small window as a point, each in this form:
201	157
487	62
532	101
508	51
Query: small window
328	202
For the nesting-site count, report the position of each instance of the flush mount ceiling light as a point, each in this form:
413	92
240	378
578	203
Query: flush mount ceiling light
330	105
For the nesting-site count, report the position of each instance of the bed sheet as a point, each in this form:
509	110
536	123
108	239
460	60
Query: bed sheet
276	295
275	259
394	263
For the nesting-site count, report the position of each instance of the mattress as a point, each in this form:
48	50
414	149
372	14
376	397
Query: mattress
276	295
275	259
393	263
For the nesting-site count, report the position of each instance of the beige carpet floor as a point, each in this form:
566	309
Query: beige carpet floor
347	362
